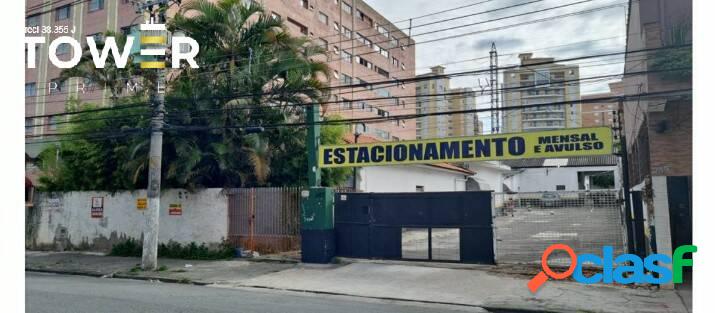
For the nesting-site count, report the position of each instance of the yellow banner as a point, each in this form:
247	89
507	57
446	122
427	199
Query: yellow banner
546	144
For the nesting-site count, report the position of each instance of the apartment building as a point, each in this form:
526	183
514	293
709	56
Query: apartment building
364	47
596	113
435	95
537	81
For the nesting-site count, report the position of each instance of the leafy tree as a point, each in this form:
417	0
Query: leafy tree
252	72
675	58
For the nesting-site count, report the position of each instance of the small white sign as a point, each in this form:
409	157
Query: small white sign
305	193
343	197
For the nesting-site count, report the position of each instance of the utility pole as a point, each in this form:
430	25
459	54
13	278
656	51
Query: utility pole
494	88
154	36
312	119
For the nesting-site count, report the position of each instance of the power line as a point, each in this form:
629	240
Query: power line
415	79
659	94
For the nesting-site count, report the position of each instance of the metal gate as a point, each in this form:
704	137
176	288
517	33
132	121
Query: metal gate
266	220
436	226
527	223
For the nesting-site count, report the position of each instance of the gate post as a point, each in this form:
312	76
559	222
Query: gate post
317	225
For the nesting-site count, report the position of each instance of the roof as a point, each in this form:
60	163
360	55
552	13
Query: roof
349	138
454	168
582	161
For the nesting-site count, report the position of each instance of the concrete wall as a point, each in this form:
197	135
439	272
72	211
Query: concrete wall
406	178
64	219
490	175
546	179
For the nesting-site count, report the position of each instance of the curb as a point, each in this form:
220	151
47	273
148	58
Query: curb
510	309
119	276
66	272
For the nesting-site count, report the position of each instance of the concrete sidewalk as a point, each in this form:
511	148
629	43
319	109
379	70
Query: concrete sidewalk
465	287
487	287
180	271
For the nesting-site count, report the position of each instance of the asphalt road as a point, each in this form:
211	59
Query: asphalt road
78	294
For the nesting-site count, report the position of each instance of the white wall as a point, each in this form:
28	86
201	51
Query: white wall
204	218
490	174
546	179
405	178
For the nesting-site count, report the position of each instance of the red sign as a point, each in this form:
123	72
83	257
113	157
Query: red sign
97	207
175	209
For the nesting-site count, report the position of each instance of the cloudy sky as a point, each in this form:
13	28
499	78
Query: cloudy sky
596	32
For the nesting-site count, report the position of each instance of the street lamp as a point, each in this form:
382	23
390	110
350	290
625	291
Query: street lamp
357	134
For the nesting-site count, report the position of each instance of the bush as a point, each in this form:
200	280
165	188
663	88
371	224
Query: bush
175	250
129	247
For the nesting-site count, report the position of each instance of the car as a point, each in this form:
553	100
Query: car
550	199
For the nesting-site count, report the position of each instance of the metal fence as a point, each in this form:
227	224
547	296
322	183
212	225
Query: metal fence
527	223
266	220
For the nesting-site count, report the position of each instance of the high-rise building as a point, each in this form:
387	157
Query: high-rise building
435	95
363	47
537	81
600	113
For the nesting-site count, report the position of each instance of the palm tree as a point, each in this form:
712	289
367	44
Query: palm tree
252	72
110	78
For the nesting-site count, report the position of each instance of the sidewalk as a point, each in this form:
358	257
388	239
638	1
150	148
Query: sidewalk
460	285
181	271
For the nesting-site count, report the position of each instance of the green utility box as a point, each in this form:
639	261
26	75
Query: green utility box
317	208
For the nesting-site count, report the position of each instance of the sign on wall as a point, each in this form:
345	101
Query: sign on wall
175	209
97	207
545	144
141	203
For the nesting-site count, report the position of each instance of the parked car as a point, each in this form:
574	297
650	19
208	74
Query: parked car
550	199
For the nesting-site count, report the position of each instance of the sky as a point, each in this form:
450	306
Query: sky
591	33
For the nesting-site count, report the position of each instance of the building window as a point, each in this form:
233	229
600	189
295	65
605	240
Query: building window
347	8
346	80
394	41
347	104
62	13
324	44
32	20
383	31
395	62
98	37
347	57
304	4
382	72
384	53
275	16
56	86
28	126
323	18
52	122
30	89
63	48
347	33
127	30
419	188
363	17
96	5
560	187
302	28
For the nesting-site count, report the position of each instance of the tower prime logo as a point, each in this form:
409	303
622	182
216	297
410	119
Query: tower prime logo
152	40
